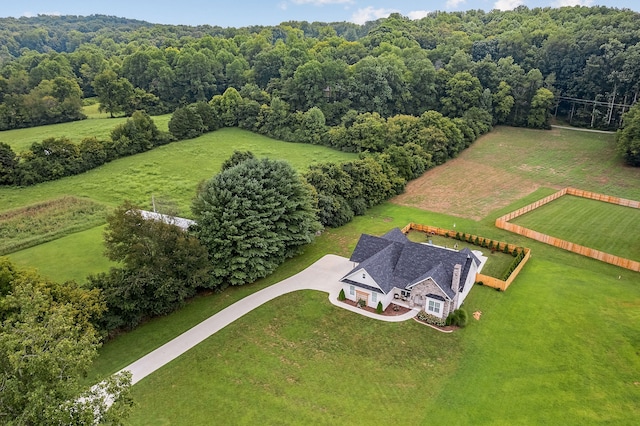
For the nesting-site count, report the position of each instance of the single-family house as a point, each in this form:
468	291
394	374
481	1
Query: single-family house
432	278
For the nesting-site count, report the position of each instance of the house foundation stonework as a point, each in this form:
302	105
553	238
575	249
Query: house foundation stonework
423	276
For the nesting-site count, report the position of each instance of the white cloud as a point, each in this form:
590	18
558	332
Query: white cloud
562	3
321	2
507	4
370	14
418	14
452	4
32	15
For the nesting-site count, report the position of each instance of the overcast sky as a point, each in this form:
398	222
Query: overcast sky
271	12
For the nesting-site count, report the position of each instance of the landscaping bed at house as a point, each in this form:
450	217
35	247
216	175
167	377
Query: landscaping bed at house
391	311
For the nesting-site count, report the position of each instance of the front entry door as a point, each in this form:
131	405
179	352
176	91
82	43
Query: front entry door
361	295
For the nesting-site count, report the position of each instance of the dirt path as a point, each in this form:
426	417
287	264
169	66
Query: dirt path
578	129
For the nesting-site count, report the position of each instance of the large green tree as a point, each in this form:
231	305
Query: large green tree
47	343
161	266
253	216
113	93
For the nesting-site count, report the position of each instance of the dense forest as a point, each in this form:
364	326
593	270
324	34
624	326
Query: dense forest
587	57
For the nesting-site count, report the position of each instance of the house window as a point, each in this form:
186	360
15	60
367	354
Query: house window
364	276
352	290
405	293
434	306
374	297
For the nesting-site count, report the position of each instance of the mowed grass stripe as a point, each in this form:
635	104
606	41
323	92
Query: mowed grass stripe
603	226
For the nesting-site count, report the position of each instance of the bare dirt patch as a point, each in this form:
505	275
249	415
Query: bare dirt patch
465	188
503	166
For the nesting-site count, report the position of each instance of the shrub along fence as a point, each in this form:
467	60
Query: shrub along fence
522	253
503	223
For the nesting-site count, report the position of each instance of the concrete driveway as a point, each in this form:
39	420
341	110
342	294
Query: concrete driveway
322	275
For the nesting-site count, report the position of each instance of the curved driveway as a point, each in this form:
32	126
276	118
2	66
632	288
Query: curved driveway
322	275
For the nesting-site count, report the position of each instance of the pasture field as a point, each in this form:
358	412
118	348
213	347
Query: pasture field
171	171
509	163
559	347
603	226
22	139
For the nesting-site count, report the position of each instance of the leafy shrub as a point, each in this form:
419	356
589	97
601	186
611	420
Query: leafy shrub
379	308
460	318
457	235
476	241
341	296
505	249
431	319
362	303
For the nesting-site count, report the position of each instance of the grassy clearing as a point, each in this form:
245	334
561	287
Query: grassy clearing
39	223
72	257
170	172
607	227
560	346
22	139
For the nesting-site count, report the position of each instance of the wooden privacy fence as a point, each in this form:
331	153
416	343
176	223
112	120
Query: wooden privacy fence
503	223
500	245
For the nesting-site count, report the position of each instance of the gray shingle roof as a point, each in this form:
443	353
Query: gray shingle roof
394	261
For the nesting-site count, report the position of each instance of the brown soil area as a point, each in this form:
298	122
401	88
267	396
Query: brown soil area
458	189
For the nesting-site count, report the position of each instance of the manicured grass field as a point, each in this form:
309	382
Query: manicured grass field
541	352
171	171
100	128
603	226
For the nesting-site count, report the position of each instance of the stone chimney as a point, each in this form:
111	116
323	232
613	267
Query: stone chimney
455	282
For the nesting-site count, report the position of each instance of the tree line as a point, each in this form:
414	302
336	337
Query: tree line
55	158
447	62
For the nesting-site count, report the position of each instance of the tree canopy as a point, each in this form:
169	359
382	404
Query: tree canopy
47	343
252	216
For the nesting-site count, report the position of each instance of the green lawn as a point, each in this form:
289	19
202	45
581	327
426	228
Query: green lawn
72	257
603	226
546	342
21	139
559	347
542	352
170	171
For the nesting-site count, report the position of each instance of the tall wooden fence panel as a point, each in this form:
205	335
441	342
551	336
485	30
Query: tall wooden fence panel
503	222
